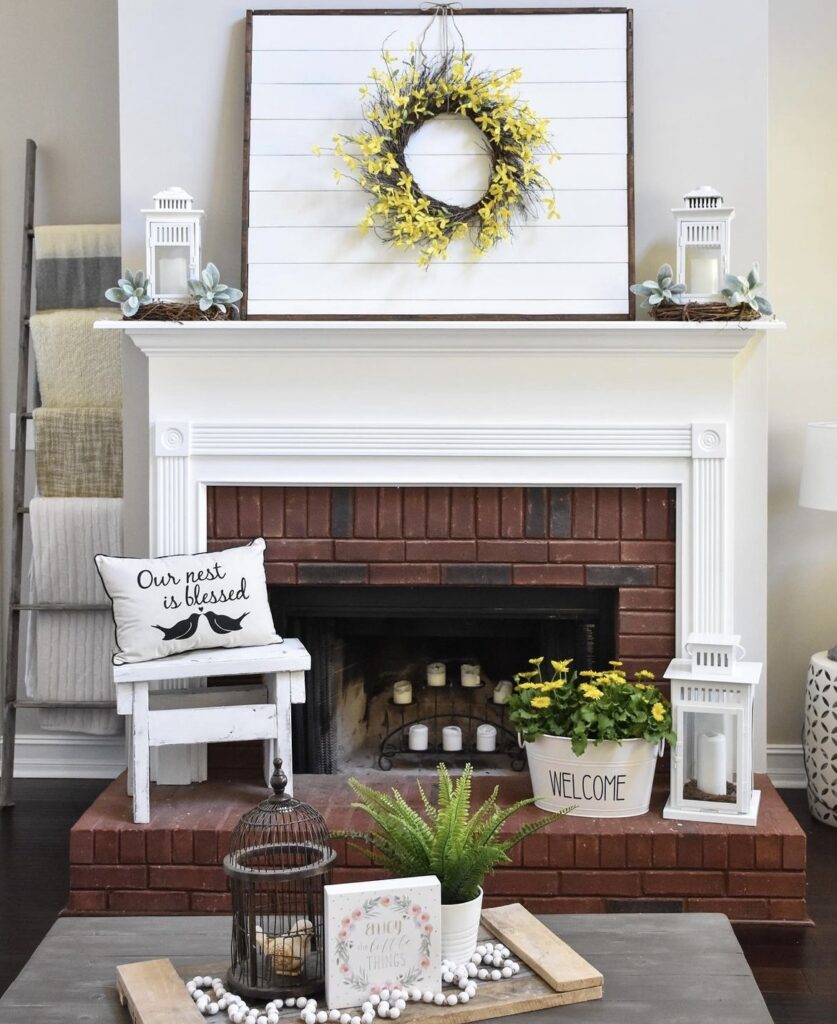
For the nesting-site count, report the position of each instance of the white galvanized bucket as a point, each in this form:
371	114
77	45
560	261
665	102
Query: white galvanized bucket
608	781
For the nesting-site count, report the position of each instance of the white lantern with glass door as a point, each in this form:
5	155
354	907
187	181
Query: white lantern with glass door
703	226
712	698
172	244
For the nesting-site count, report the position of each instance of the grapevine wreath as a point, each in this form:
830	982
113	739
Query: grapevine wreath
403	98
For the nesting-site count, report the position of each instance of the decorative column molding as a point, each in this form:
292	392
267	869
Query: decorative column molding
172	502
171	534
710	573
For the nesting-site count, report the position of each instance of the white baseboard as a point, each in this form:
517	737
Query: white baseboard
68	756
72	756
785	765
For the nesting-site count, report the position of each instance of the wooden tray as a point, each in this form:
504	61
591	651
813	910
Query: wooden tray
551	974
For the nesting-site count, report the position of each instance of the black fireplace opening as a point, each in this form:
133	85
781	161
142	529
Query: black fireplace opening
364	639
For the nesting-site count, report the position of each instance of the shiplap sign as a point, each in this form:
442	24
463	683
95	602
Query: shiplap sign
303	253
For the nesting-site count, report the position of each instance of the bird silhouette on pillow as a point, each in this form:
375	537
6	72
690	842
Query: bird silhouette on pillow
187	628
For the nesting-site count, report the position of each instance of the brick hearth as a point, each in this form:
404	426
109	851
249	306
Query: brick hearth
484	536
577	865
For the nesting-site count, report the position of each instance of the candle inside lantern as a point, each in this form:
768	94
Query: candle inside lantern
172	270
436	675
486	737
470	675
402	692
712	763
417	737
502	691
703	273
451	738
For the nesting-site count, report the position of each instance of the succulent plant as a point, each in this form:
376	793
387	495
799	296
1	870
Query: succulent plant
131	292
663	291
209	291
740	290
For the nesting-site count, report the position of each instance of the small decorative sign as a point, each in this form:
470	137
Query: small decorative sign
382	934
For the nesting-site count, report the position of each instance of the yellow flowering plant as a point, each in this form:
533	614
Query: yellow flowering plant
589	706
404	96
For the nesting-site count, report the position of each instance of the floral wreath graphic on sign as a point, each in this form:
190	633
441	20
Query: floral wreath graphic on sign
411	912
400	101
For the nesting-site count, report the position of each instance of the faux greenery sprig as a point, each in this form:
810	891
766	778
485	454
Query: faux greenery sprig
589	707
742	290
663	291
447	841
209	291
131	292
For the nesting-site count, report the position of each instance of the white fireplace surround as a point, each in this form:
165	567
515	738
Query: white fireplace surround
538	403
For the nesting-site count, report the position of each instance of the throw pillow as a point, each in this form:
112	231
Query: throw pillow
164	606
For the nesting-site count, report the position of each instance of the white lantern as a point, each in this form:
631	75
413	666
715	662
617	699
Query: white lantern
703	226
712	697
172	244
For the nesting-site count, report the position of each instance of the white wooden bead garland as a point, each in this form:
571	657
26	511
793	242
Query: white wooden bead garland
490	962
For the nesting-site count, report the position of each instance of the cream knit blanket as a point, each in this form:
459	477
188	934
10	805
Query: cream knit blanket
77	365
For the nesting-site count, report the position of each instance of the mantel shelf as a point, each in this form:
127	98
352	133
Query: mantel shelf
416	337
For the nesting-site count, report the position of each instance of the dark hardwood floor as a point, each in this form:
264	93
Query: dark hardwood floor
35	863
795	968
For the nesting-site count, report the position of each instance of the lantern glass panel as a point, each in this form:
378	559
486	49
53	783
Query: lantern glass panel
171	270
703	269
710	756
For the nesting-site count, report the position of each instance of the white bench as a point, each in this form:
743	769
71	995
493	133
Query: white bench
222	714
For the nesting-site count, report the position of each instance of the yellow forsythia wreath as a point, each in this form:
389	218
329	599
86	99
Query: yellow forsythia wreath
402	99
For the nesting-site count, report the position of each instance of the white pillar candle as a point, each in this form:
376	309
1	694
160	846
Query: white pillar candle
712	763
502	691
172	271
470	675
451	738
417	737
486	737
436	675
402	692
704	270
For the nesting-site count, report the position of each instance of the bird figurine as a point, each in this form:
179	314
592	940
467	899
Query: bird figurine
181	630
289	950
223	623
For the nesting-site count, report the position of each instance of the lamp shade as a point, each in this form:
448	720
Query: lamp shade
818	488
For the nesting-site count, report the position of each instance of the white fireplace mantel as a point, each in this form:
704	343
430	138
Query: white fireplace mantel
473	403
478	337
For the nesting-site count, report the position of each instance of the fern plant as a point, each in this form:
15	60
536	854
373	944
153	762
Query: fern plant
447	841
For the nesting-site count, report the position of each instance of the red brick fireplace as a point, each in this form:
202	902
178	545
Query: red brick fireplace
561	419
458	537
581	573
473	536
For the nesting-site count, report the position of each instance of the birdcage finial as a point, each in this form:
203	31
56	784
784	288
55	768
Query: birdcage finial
278	781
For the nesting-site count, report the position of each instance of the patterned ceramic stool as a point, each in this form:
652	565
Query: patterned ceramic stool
820	738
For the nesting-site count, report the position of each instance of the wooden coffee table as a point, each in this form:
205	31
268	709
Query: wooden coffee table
687	968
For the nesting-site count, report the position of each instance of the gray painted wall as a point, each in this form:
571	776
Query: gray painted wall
59	85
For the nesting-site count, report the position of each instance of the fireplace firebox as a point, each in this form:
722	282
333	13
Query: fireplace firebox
365	639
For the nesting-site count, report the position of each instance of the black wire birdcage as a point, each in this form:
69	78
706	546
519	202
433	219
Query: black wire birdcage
278	863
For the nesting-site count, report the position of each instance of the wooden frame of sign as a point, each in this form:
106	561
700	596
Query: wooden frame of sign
303	257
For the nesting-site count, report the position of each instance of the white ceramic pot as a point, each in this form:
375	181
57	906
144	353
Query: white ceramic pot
460	928
610	780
